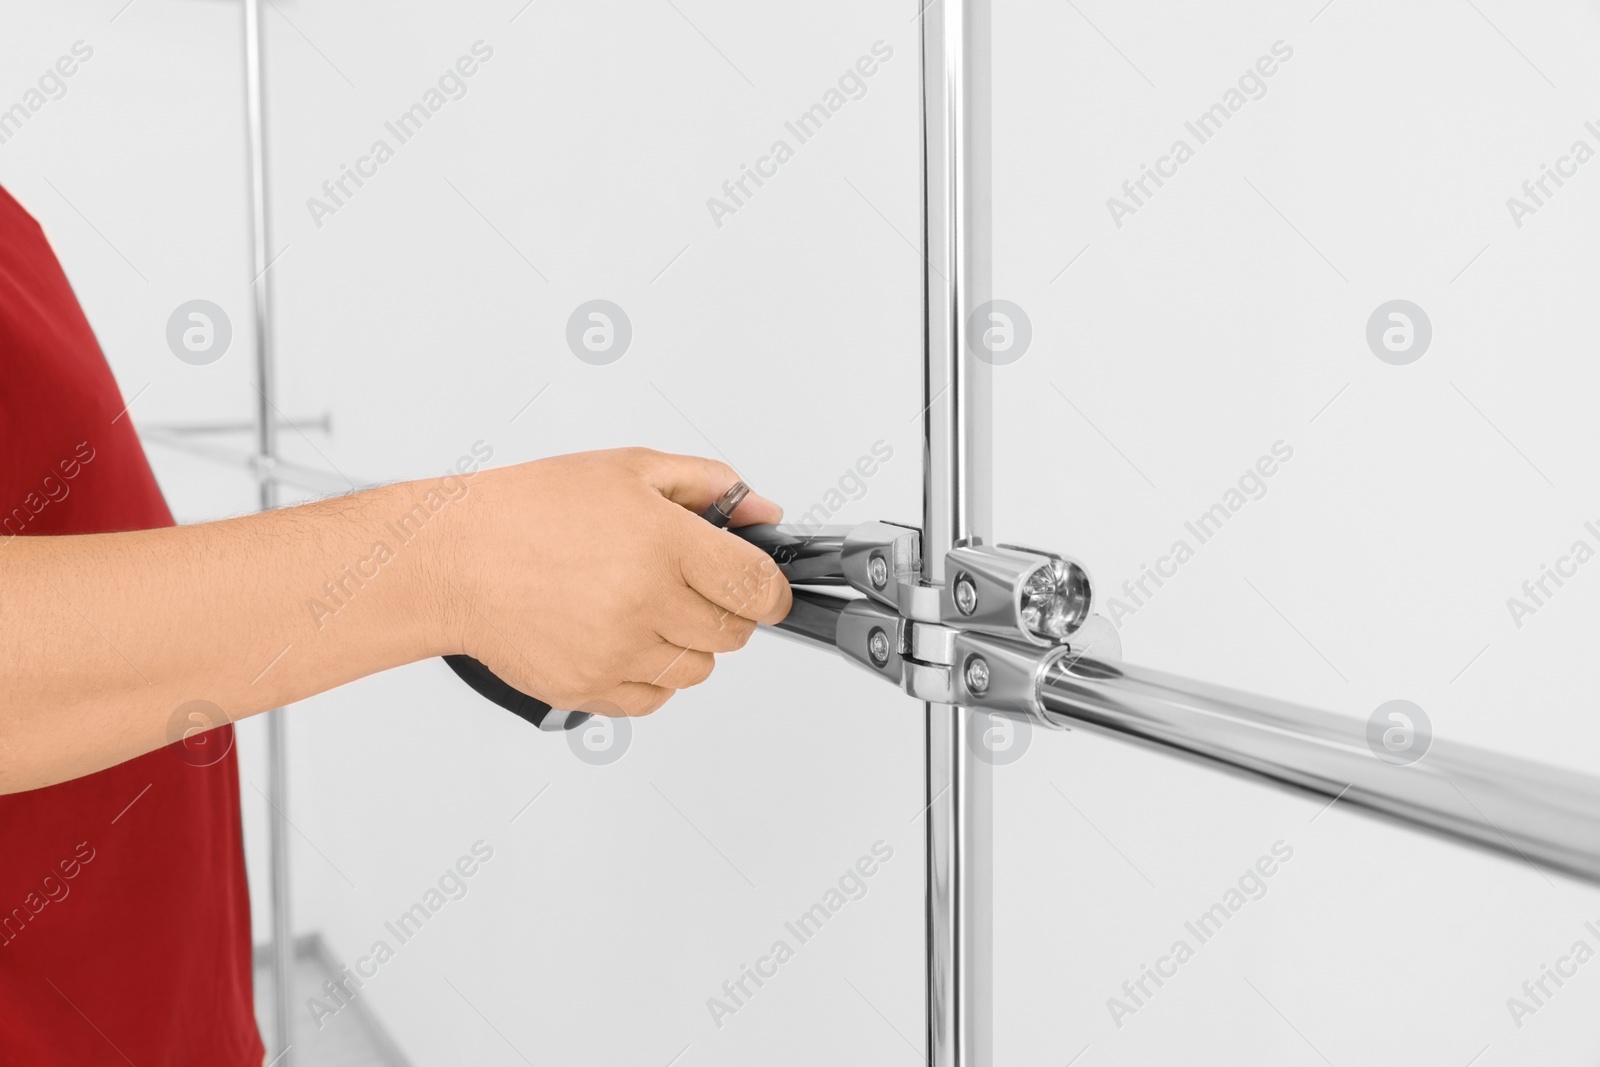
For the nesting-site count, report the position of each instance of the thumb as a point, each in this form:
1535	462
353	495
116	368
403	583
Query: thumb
695	483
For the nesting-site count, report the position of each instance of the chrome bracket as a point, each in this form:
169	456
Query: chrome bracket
986	638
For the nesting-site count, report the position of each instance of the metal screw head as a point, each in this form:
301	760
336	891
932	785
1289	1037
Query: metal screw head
966	595
878	570
878	646
977	675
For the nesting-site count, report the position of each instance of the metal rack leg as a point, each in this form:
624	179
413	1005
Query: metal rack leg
956	506
266	445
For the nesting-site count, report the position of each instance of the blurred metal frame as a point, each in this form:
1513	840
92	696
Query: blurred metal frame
267	454
269	471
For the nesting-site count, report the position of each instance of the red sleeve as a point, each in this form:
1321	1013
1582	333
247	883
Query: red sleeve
124	914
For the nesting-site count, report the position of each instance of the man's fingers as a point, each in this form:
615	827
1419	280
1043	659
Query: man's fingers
699	624
629	699
734	575
756	510
695	482
672	667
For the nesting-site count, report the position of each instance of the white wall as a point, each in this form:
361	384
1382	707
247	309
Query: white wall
1218	319
1193	337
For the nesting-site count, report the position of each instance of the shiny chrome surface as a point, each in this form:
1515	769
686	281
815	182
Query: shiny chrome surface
1013	674
1523	810
807	555
814	619
957	247
267	417
997	576
886	551
859	623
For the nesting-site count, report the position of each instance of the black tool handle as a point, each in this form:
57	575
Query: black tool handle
489	685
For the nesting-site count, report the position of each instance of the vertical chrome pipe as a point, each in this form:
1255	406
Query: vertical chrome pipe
958	248
266	456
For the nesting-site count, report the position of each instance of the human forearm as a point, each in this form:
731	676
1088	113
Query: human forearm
103	637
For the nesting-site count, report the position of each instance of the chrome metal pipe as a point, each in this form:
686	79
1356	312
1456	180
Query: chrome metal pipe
814	619
266	422
321	424
267	453
1515	807
957	250
806	555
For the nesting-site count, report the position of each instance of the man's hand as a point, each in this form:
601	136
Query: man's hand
591	582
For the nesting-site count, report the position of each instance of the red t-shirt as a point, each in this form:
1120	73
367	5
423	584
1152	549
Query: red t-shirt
124	912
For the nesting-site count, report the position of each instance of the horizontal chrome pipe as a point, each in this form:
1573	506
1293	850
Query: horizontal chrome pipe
282	471
814	619
805	555
1521	809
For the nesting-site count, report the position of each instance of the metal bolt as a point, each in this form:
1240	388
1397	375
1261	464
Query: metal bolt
878	646
878	570
977	675
966	595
